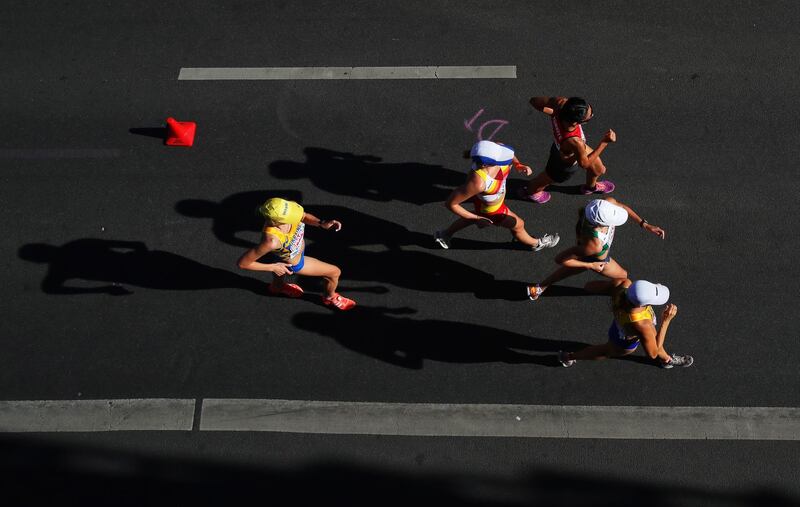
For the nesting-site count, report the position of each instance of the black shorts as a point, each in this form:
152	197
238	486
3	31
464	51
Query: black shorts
558	170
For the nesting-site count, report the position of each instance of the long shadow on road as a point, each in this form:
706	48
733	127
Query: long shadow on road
236	215
411	269
367	177
111	265
402	341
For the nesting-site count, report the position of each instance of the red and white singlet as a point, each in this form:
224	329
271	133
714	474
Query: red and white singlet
559	135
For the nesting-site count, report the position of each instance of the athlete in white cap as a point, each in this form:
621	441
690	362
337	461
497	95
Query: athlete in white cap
634	322
486	188
283	235
595	229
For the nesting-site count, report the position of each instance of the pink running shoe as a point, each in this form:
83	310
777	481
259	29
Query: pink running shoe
602	187
339	302
287	289
539	197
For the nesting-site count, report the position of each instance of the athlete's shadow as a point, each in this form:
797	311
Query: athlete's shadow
236	216
111	267
367	177
415	270
408	342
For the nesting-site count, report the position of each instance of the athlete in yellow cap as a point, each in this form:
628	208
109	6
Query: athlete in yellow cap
284	231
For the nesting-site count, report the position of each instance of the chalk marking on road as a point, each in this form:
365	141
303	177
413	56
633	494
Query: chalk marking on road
96	415
302	73
532	421
49	154
404	419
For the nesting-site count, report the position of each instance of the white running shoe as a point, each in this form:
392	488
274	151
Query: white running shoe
442	239
547	241
564	359
676	360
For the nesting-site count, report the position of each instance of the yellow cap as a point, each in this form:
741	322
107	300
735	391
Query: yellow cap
281	211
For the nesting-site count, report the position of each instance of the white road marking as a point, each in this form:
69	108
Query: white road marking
406	419
535	421
295	73
96	415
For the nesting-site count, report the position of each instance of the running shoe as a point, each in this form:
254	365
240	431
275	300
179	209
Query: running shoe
538	197
602	187
339	302
564	359
547	241
442	239
287	289
533	292
677	360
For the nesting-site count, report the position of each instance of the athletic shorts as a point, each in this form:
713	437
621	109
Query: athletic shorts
496	217
614	337
592	258
295	267
302	262
558	170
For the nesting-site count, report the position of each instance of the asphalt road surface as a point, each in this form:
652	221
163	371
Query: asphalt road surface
119	253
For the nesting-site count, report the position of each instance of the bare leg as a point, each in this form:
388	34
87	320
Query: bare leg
461	223
329	273
278	280
516	224
595	352
594	172
614	270
558	275
538	183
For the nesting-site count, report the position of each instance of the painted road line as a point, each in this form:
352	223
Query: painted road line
532	421
96	415
408	419
48	154
298	73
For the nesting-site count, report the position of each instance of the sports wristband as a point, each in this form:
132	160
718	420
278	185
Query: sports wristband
641	224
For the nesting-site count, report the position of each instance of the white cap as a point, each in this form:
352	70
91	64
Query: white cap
643	293
490	153
602	212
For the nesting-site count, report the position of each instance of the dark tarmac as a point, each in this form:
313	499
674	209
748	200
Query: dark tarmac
120	253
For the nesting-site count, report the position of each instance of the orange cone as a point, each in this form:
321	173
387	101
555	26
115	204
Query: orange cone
180	133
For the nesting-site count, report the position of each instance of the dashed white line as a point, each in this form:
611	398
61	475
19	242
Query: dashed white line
405	419
96	415
302	73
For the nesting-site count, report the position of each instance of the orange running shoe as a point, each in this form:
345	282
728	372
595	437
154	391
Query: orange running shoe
287	289
339	302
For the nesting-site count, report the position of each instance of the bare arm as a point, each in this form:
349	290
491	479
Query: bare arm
579	149
520	167
547	105
644	224
570	257
654	342
669	313
310	219
250	258
471	188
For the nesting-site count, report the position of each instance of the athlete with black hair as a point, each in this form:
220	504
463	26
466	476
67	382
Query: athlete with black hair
569	150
